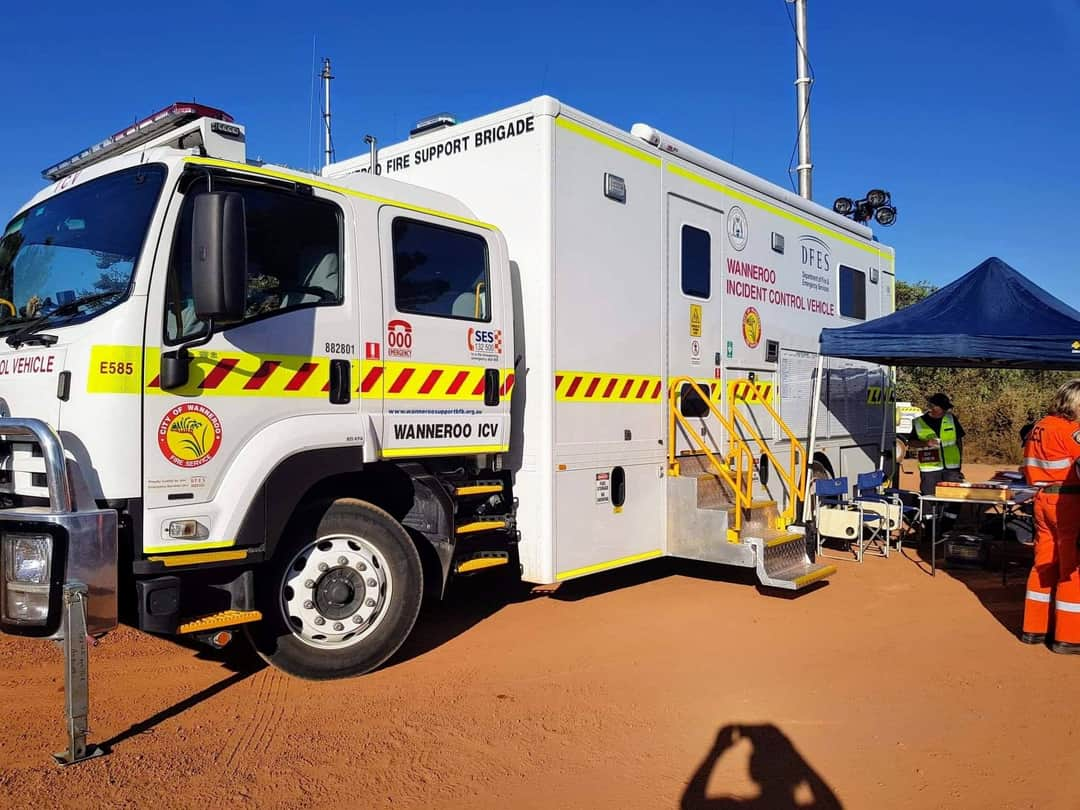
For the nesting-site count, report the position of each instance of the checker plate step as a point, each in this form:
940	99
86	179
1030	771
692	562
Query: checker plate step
225	618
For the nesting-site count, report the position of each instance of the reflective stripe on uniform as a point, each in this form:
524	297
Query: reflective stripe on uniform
1048	464
1067	607
1035	596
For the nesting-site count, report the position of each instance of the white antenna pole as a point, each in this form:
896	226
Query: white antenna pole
802	85
326	77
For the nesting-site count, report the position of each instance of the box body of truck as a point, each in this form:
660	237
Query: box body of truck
636	261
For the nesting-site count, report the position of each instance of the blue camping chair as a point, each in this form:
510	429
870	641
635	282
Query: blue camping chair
891	503
838	517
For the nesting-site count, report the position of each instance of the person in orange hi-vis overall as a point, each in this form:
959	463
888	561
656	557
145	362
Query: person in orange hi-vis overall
1051	459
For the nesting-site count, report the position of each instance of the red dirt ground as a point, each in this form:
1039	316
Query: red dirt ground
651	687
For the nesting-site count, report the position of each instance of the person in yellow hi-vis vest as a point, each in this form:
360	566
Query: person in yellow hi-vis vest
938	438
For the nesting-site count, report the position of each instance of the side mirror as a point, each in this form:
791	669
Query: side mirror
219	257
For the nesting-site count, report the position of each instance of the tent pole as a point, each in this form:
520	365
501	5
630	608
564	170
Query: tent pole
815	392
886	385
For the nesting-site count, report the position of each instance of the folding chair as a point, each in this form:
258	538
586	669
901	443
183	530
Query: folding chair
870	493
838	518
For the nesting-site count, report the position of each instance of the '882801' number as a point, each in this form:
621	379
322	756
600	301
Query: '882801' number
341	348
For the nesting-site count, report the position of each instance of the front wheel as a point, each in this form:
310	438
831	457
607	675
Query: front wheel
342	594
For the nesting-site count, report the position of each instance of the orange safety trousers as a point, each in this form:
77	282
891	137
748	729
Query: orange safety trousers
1055	577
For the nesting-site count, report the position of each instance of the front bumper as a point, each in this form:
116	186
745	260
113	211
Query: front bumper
83	547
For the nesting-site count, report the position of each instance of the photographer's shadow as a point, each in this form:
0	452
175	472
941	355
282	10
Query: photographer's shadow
783	778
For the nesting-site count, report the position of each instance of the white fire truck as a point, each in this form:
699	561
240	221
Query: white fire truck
235	394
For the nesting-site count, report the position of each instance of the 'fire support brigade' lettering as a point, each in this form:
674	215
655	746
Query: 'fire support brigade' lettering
445	430
456	146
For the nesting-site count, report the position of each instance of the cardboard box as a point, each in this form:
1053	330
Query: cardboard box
973	492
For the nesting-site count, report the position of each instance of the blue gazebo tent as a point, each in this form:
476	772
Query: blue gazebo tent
991	316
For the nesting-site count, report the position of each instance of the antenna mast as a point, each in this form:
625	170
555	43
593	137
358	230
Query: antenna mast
326	76
802	85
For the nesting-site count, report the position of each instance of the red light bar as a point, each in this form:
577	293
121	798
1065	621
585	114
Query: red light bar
172	117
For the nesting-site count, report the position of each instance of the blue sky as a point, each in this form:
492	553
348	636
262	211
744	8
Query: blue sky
968	112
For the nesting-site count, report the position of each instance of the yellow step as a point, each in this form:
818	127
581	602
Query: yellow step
806	579
482	560
783	538
225	618
481	526
478	489
761	504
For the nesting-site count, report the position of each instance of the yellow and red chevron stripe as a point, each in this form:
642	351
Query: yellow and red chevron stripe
302	376
403	380
590	386
750	392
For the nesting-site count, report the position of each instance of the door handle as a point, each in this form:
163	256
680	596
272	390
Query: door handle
340	382
491	386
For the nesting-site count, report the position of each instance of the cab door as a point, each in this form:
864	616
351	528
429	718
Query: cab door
695	328
281	380
448	346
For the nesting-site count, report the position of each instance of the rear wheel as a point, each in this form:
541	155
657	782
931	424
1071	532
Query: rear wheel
342	594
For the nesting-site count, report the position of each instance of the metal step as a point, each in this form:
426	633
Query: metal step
491	524
696	533
481	560
477	488
783	561
224	618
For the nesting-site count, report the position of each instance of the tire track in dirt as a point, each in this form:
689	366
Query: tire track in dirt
271	705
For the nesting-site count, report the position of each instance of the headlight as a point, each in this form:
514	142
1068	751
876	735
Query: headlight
27	557
27	564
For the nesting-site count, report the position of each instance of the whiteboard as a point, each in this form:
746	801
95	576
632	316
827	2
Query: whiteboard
797	370
848	383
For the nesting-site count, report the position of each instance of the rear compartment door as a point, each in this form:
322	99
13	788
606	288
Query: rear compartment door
695	345
448	348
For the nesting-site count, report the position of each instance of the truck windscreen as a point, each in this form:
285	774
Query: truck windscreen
73	255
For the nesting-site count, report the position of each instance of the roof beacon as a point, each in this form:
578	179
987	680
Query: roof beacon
162	122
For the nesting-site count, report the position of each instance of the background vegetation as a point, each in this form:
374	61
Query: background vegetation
991	404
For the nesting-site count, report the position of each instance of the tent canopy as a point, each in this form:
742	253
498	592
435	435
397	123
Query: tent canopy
992	316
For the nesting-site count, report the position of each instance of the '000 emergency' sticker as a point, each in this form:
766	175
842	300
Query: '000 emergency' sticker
189	435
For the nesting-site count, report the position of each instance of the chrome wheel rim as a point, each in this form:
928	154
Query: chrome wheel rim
335	591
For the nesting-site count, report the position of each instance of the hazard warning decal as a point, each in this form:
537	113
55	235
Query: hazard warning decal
189	435
751	327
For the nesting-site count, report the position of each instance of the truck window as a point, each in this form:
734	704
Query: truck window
294	257
440	271
852	293
696	262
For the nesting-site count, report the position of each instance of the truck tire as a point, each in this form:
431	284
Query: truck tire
341	594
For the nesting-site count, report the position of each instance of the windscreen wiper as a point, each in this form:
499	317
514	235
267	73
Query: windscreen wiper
29	333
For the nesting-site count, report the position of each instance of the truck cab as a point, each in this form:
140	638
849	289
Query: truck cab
237	394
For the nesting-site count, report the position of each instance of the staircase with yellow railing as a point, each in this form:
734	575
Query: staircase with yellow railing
718	510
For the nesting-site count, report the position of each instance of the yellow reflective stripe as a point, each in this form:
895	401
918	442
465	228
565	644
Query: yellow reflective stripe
118	370
405	452
590	569
311	181
189	547
593	135
711	384
750	393
773	209
199	559
597	386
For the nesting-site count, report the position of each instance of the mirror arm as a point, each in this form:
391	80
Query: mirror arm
175	365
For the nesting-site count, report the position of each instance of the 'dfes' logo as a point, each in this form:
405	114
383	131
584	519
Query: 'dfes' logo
189	435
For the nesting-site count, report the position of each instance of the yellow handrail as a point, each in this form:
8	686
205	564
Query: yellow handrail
795	479
744	459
